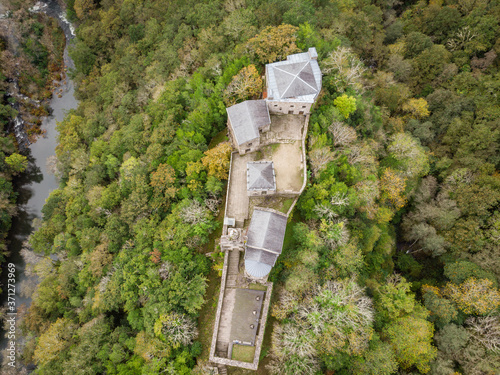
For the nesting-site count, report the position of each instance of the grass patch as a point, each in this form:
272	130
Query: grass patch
287	204
256	286
206	319
275	202
275	146
243	353
219	138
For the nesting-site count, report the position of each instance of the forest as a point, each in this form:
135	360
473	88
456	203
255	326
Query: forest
391	259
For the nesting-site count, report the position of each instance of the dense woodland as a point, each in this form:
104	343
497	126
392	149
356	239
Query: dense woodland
391	260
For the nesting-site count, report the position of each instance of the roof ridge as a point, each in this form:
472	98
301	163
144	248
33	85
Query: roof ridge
268	219
248	113
302	79
263	249
293	79
297	77
284	71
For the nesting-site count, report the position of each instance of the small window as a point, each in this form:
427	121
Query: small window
303	106
249	144
247	150
290	112
264	192
291	106
281	109
275	105
301	112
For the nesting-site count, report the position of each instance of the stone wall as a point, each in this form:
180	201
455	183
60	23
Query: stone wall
258	342
224	228
289	107
265	308
219	307
304	163
260	193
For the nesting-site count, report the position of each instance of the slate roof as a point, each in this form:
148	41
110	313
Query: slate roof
265	241
247	118
260	256
296	79
267	231
260	175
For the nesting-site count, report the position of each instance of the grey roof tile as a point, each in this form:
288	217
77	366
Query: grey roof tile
260	256
267	231
296	79
247	118
260	176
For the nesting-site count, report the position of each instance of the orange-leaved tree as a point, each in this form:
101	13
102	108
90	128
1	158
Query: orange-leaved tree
216	160
274	43
245	84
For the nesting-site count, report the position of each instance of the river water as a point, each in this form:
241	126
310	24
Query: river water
35	186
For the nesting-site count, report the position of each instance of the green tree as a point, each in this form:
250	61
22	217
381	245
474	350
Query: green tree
442	310
394	300
379	359
411	340
17	163
345	105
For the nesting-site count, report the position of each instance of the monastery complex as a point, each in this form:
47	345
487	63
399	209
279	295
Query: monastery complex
267	174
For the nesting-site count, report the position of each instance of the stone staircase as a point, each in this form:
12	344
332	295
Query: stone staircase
222	370
233	268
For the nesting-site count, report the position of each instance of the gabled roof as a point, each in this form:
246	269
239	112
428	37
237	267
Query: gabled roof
267	231
260	175
247	118
296	79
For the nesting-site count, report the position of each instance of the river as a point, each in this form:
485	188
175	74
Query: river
35	186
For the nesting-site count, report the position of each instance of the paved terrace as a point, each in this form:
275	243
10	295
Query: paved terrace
284	129
237	198
282	144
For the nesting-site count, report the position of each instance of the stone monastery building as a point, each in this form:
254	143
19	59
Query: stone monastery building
292	87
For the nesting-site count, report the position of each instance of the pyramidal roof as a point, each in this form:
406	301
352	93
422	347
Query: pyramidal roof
260	175
298	78
295	79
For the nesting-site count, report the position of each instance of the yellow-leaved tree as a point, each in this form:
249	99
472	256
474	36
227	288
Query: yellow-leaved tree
474	296
416	108
274	43
245	84
216	160
392	186
54	340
